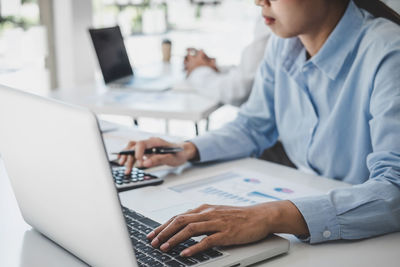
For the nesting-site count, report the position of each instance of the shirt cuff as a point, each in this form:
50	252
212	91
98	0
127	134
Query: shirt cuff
320	216
207	151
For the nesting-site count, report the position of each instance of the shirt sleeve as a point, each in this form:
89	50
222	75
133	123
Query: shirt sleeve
371	208
254	129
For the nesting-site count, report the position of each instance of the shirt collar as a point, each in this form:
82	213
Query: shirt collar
330	58
340	43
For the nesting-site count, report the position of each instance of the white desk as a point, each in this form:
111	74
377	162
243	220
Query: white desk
21	246
166	105
171	104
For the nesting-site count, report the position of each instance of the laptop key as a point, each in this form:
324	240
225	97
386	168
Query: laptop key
147	230
189	243
213	253
179	248
201	257
140	227
141	264
133	223
134	240
156	254
141	236
134	215
147	249
154	263
147	260
149	222
134	232
157	264
140	245
188	261
174	263
173	253
140	255
163	257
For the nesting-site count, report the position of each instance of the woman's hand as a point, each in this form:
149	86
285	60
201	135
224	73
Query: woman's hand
189	152
226	225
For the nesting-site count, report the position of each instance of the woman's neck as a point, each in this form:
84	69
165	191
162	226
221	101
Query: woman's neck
316	36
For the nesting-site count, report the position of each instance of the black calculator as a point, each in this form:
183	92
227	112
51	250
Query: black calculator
137	178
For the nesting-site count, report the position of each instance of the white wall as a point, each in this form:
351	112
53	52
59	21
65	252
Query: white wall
73	49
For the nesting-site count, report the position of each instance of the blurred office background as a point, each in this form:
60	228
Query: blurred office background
44	44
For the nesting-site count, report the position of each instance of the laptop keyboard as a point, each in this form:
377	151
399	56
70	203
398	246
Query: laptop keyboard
137	178
139	226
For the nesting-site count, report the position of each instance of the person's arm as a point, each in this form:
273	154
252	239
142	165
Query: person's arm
254	129
372	208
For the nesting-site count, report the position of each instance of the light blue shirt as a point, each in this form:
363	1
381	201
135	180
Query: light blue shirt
337	114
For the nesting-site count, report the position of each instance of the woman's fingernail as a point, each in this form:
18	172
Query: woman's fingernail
185	252
155	242
151	235
164	246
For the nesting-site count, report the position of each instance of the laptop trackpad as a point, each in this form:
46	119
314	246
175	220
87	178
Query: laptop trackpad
162	207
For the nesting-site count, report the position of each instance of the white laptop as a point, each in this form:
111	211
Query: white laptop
60	174
116	67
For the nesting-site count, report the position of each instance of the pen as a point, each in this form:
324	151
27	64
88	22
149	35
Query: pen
154	150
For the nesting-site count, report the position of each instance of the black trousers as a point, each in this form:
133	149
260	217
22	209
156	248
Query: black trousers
278	155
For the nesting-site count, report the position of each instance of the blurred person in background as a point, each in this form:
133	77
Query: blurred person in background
229	85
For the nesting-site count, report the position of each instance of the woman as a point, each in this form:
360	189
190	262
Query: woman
329	88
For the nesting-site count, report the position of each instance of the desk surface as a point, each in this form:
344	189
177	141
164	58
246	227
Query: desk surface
165	105
22	246
182	104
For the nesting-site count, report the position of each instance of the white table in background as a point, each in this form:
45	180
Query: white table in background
178	103
21	246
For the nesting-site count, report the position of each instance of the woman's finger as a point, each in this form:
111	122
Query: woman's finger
176	225
206	243
191	230
129	164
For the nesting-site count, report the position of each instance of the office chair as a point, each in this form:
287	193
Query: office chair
379	9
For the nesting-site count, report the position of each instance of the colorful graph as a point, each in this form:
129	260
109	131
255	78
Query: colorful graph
221	194
283	190
252	180
263	195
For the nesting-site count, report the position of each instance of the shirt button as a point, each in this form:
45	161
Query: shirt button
326	234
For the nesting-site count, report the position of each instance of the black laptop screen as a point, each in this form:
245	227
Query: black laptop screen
111	53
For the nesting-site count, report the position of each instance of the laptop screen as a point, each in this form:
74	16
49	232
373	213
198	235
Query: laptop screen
111	53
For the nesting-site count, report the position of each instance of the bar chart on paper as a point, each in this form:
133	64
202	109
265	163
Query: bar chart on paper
239	188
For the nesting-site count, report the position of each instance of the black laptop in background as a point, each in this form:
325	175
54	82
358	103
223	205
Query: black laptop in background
115	65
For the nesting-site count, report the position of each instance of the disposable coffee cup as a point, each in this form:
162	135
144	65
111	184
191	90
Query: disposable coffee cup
166	50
